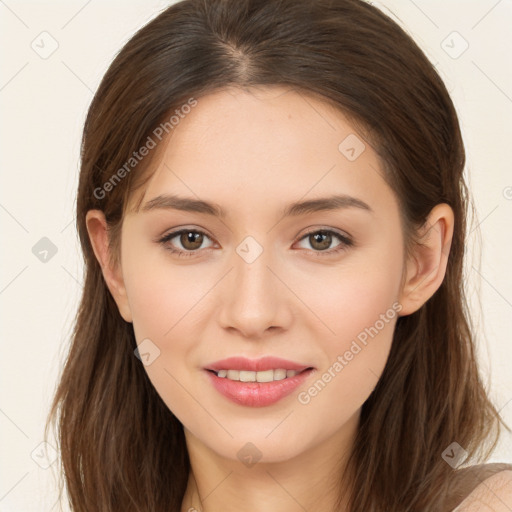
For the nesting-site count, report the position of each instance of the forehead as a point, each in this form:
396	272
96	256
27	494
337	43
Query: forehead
262	145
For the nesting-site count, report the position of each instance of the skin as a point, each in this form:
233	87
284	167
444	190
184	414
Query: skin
253	152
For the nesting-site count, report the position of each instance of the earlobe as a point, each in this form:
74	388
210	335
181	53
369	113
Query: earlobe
426	267
98	235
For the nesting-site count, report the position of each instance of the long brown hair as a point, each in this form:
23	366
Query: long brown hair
121	447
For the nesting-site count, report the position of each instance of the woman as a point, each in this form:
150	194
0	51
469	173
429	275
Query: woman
272	211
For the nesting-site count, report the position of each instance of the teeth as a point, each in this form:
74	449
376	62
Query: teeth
266	376
233	375
279	374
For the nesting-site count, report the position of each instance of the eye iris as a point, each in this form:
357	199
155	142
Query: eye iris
191	237
325	239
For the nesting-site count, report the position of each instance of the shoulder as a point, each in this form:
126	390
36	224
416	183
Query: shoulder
484	488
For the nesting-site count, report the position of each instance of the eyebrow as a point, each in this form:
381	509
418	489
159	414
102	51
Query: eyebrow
187	204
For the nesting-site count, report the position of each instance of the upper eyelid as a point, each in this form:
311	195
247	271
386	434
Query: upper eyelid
173	234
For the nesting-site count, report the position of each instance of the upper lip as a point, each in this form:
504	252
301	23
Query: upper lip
255	365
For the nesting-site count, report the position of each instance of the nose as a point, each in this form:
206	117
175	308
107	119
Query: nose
254	299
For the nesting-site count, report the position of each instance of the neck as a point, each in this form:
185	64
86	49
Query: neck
309	481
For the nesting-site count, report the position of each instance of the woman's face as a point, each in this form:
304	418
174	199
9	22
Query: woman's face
260	280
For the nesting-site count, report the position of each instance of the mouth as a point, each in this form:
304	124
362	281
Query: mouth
257	383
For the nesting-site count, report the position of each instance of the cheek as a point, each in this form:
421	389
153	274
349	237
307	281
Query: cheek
162	296
358	308
353	297
363	315
163	301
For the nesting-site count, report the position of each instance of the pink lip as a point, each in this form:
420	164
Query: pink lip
257	394
255	365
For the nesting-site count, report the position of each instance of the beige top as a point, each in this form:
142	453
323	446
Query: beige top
482	488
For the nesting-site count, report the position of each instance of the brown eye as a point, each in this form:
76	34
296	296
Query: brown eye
320	240
185	242
191	240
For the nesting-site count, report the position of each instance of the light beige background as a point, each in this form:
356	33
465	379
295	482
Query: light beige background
44	99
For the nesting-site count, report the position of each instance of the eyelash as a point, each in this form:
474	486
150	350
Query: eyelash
346	242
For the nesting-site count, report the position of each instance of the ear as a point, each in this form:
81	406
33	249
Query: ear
97	229
426	266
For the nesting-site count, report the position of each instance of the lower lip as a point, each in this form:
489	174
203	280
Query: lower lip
257	394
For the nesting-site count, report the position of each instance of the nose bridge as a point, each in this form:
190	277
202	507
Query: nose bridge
252	268
253	279
254	303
